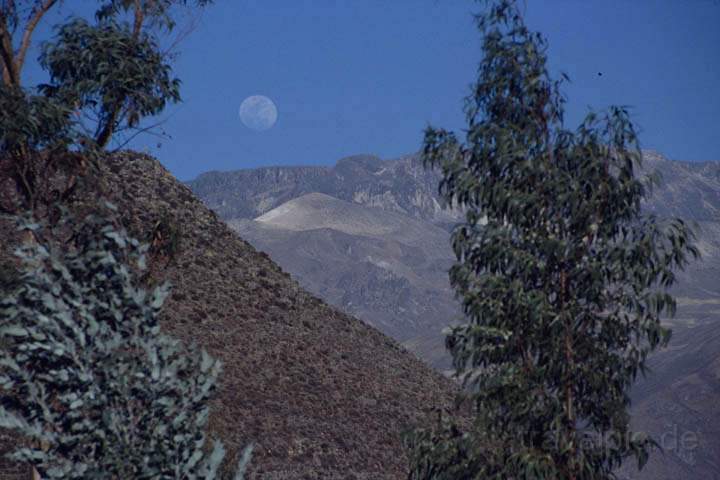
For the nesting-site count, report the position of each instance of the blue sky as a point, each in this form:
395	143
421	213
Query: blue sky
367	76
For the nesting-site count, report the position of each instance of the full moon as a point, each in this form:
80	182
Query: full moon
258	112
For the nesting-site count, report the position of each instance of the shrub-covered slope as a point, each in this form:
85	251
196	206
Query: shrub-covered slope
321	394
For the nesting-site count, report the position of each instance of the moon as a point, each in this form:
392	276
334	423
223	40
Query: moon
258	112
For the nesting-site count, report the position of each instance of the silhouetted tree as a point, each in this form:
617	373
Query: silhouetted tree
562	278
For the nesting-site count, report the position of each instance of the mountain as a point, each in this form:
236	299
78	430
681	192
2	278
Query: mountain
388	269
401	186
679	401
321	394
301	217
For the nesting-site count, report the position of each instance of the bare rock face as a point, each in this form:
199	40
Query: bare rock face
359	260
401	186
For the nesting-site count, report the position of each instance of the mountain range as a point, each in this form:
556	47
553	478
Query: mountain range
387	268
371	237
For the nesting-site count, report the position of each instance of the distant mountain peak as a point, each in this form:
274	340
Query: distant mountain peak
317	210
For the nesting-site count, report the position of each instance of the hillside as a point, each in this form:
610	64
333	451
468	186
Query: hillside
320	393
317	210
682	394
387	269
688	190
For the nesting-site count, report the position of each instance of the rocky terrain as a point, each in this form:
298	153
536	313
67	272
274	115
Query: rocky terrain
308	235
321	394
401	186
387	268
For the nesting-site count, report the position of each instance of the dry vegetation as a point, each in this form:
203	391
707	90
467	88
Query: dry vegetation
320	393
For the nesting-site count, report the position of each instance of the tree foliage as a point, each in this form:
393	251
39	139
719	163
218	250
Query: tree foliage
562	278
112	73
106	77
85	372
32	121
108	73
37	135
158	12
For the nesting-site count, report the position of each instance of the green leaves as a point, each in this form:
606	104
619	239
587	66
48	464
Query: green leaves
104	78
87	372
106	69
158	10
32	121
563	283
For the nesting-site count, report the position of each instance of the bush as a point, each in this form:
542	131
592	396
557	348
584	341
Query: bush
86	374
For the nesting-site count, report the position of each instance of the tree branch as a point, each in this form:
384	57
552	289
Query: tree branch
27	34
106	132
108	129
139	17
6	51
191	26
147	129
5	75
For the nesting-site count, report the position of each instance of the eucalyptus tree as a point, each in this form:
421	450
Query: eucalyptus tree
109	73
115	71
563	279
112	70
105	77
87	377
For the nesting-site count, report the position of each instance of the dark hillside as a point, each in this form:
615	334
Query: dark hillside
321	394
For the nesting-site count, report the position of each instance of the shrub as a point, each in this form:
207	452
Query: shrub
87	376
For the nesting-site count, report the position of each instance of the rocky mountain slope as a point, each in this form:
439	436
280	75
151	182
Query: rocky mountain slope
680	397
321	394
679	402
401	186
387	268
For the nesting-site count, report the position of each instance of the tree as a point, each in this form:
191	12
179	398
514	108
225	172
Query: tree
87	376
114	75
105	78
11	21
36	135
563	279
113	72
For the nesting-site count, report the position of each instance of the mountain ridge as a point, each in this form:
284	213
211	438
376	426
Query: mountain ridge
375	255
682	396
398	185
